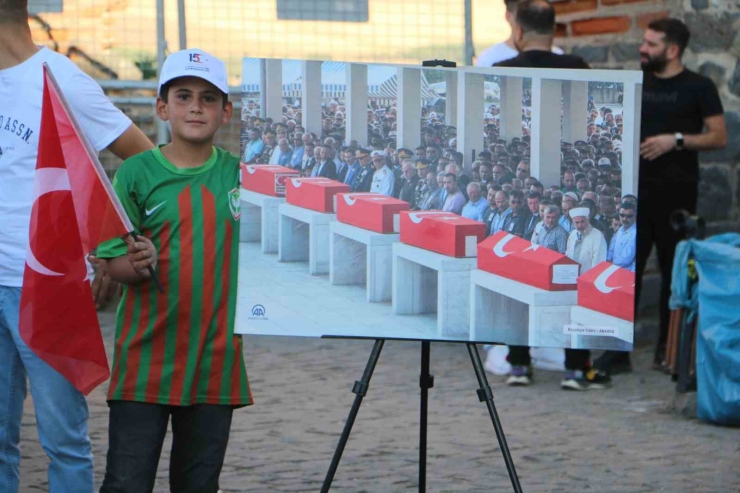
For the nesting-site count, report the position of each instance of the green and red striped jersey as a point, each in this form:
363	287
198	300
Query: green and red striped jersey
179	348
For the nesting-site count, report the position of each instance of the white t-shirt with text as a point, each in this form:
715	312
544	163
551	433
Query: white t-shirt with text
21	93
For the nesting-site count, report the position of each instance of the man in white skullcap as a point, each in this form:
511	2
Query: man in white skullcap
587	246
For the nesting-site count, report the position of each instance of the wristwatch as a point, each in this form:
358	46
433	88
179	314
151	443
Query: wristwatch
679	141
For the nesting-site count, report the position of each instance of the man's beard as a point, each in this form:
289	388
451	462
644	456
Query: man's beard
655	64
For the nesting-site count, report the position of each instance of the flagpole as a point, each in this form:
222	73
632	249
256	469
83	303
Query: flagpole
149	267
90	151
97	167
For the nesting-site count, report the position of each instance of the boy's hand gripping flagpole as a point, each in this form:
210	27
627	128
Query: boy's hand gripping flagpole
149	267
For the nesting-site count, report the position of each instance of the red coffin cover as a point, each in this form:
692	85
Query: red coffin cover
316	194
372	211
267	179
515	258
442	232
608	289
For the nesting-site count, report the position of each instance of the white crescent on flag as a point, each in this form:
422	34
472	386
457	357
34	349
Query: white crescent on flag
418	217
350	199
498	249
296	183
600	281
47	180
250	169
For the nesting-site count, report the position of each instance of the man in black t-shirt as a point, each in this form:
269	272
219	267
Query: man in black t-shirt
534	40
677	104
533	35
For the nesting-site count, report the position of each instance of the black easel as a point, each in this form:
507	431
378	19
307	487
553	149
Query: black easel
426	381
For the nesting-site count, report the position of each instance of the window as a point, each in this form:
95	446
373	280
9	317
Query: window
323	10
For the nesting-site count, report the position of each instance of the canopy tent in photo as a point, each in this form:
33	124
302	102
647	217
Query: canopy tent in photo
382	81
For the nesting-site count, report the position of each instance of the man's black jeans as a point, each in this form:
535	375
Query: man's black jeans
136	433
575	359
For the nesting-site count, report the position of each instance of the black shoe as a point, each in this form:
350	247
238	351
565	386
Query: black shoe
585	380
614	362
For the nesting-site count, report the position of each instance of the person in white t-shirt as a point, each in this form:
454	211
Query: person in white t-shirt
504	50
61	411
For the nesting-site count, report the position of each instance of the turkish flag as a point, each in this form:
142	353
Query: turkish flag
74	210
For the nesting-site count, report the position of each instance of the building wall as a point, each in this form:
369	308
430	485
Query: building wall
607	33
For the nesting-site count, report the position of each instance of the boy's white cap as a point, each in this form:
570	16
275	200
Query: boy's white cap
194	63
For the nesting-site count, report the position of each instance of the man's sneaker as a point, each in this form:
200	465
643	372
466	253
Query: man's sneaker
585	380
520	376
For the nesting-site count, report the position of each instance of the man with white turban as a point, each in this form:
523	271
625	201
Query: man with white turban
586	244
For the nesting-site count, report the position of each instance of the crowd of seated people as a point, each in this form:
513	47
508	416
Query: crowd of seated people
499	190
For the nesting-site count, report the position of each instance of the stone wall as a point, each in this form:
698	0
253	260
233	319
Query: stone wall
607	33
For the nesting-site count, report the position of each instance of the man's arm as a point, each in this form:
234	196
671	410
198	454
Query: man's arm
130	143
714	138
610	249
600	252
330	168
564	246
388	185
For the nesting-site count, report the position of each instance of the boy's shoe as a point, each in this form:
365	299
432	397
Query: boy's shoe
520	376
591	379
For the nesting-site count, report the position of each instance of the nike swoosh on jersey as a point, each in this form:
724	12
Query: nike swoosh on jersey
149	212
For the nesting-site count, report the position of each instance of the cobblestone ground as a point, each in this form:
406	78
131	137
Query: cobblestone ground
621	440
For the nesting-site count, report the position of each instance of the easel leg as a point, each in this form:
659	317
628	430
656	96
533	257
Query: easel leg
360	389
426	381
486	395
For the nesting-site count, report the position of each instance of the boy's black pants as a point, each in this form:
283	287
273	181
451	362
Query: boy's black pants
136	433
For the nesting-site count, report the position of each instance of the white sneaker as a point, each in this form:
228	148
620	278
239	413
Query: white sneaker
520	376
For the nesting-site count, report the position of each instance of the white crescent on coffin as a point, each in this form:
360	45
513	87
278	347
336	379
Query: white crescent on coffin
499	248
349	198
47	180
419	216
296	183
253	169
600	281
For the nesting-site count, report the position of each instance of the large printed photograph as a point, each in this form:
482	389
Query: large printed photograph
467	204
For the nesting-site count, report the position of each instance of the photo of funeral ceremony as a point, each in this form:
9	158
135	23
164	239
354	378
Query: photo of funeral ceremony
426	228
369	245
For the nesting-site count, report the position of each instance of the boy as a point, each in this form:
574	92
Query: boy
176	353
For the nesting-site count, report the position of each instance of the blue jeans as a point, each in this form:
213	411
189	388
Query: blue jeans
61	411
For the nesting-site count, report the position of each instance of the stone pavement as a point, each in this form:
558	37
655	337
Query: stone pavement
622	440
